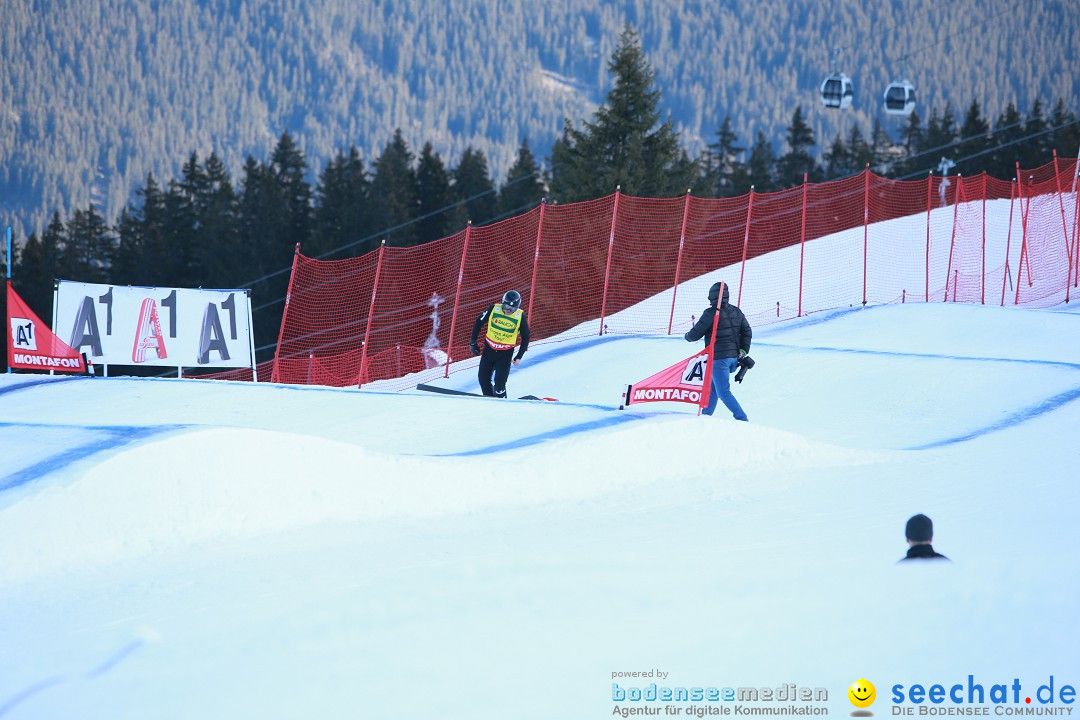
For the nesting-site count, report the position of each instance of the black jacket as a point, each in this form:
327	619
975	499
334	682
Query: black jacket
923	551
732	331
523	329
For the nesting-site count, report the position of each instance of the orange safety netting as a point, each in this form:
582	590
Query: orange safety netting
623	264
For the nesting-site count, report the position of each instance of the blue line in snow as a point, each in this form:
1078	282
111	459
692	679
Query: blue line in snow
115	437
925	356
37	383
1048	405
817	319
592	342
550	435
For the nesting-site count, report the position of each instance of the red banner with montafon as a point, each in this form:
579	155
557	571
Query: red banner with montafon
31	344
682	382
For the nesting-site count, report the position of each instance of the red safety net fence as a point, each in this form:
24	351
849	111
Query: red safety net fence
620	264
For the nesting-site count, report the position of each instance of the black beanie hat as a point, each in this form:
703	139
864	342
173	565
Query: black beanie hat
919	528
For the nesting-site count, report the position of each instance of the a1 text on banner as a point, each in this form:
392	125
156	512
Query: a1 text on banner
161	327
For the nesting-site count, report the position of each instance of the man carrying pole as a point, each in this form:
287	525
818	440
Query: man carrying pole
730	334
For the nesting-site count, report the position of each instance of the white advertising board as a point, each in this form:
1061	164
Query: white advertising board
168	327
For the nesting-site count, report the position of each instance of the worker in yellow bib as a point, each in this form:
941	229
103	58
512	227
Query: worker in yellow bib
503	323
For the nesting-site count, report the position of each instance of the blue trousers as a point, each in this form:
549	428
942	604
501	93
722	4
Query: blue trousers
721	388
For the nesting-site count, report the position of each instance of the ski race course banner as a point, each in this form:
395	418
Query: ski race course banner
32	345
682	382
687	381
160	327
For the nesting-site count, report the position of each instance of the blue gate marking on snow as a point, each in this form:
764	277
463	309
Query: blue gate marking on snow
117	436
924	356
816	319
550	435
38	383
590	343
50	682
1029	413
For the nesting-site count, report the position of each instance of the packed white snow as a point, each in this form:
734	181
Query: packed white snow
182	549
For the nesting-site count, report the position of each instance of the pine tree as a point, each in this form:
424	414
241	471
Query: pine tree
721	169
141	256
975	140
342	206
393	193
882	149
38	265
262	238
837	160
909	164
1066	136
1034	150
473	189
938	141
435	196
215	211
1008	134
86	255
524	186
761	166
625	144
288	169
791	167
859	151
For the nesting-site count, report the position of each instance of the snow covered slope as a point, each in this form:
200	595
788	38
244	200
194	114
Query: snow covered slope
206	549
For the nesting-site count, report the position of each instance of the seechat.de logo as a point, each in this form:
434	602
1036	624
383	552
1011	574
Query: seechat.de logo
862	695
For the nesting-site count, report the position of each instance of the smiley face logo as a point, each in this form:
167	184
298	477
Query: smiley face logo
862	693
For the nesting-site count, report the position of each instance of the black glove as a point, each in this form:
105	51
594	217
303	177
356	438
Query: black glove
475	348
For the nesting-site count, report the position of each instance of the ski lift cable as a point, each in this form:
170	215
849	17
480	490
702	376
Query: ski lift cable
996	148
907	55
508	213
990	134
395	228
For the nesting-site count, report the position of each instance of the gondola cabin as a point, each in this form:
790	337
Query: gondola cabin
837	91
900	98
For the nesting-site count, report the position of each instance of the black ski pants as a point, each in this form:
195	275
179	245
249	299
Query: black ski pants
497	363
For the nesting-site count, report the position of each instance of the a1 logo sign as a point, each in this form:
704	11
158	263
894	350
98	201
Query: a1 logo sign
23	336
694	374
148	333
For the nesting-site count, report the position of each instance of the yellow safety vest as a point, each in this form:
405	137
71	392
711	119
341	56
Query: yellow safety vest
503	329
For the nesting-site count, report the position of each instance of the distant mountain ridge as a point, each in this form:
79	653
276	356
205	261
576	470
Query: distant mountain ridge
96	95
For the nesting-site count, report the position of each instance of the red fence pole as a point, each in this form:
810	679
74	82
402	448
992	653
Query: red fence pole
371	311
678	260
536	257
1076	224
1023	231
1064	227
1008	241
982	282
952	239
274	373
457	300
802	245
929	189
745	243
607	266
866	228
706	384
